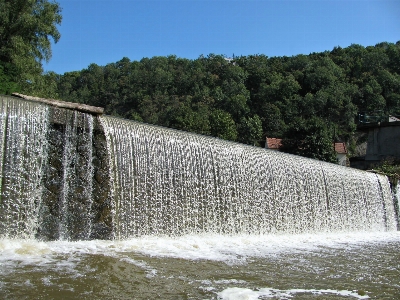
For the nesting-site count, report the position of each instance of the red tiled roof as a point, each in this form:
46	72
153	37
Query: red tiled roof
274	143
340	148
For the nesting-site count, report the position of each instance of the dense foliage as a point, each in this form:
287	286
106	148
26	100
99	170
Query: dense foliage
309	100
26	27
389	167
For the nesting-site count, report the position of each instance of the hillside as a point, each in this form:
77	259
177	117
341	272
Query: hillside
244	98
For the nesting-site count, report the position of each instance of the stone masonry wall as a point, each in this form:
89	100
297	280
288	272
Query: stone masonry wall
76	201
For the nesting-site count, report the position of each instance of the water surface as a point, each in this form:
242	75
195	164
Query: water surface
323	266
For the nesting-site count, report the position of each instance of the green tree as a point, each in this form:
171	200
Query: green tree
193	118
26	27
322	73
311	138
7	82
272	120
44	86
220	97
222	125
282	92
250	130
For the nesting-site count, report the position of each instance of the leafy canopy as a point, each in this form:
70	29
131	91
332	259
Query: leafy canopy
26	27
310	101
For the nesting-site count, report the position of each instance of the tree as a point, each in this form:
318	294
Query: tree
281	92
250	130
222	125
310	138
26	27
193	119
44	86
7	83
214	96
272	120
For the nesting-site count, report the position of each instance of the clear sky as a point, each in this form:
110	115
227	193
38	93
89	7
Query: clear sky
105	31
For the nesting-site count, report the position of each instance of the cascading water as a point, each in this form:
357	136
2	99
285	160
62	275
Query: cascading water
228	213
76	193
47	171
23	149
69	175
167	182
66	210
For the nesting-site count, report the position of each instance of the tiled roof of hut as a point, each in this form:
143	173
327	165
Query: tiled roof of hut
274	143
340	148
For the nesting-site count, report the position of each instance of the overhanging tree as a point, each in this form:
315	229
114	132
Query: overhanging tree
26	27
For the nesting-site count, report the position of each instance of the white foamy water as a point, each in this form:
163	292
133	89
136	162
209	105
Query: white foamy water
347	265
168	182
228	249
210	219
247	294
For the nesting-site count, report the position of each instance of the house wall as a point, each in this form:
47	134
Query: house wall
342	159
383	142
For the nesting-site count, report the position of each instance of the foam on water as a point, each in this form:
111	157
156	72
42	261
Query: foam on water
248	294
229	249
223	263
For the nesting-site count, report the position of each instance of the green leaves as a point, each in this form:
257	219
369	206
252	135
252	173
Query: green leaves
250	130
308	100
7	83
26	27
311	138
222	125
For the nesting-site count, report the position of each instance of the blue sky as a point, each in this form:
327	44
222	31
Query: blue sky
105	31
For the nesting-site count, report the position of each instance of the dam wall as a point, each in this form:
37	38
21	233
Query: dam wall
70	173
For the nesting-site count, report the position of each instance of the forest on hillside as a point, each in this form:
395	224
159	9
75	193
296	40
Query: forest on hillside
308	100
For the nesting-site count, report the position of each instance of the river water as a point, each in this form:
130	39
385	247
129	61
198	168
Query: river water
358	265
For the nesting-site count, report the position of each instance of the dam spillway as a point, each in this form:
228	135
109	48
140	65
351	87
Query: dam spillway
166	181
71	175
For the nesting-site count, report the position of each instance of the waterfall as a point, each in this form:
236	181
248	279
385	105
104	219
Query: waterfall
71	175
23	150
77	179
47	171
168	182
